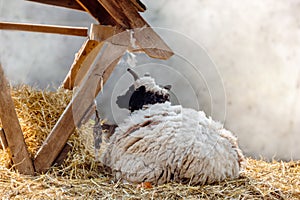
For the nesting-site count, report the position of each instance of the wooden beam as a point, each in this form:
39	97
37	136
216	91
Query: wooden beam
65	30
101	33
13	132
3	140
127	16
72	80
124	14
86	56
62	3
72	4
80	104
97	11
139	5
151	43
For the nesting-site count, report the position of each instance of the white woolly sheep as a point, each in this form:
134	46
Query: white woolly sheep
159	142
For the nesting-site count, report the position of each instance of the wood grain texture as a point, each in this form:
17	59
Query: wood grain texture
86	55
65	30
139	5
62	3
3	140
77	108
72	78
123	14
97	11
72	4
147	40
13	132
152	44
101	32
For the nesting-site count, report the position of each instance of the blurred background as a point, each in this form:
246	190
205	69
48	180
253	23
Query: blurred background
255	46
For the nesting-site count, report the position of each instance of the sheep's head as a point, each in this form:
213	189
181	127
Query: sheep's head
143	92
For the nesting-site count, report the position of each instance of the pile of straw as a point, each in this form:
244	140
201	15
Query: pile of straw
81	177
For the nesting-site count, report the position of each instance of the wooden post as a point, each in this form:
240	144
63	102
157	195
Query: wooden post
77	108
13	132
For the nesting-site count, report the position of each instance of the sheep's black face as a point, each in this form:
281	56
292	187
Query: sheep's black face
141	97
123	101
136	99
144	91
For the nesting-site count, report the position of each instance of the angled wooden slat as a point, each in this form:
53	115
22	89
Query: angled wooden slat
13	132
127	16
78	107
124	14
86	55
72	4
97	11
62	3
72	79
66	30
151	43
71	117
139	5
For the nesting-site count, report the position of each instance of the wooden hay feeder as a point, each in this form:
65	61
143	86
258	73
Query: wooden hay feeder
119	23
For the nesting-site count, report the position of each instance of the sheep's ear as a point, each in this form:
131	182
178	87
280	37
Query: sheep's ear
141	89
168	87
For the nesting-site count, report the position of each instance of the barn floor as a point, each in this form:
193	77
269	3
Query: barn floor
81	177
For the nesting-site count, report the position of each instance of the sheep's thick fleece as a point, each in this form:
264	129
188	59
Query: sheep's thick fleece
164	143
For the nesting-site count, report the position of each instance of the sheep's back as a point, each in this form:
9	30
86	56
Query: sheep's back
169	143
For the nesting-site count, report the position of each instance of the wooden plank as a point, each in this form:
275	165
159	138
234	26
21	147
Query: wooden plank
120	15
72	79
3	140
151	43
97	11
81	64
98	33
127	16
123	13
65	30
13	132
101	32
77	108
139	5
62	3
72	4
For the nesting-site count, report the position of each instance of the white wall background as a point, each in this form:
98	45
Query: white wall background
255	45
36	58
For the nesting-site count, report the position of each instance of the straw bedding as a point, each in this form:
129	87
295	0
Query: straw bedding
82	177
